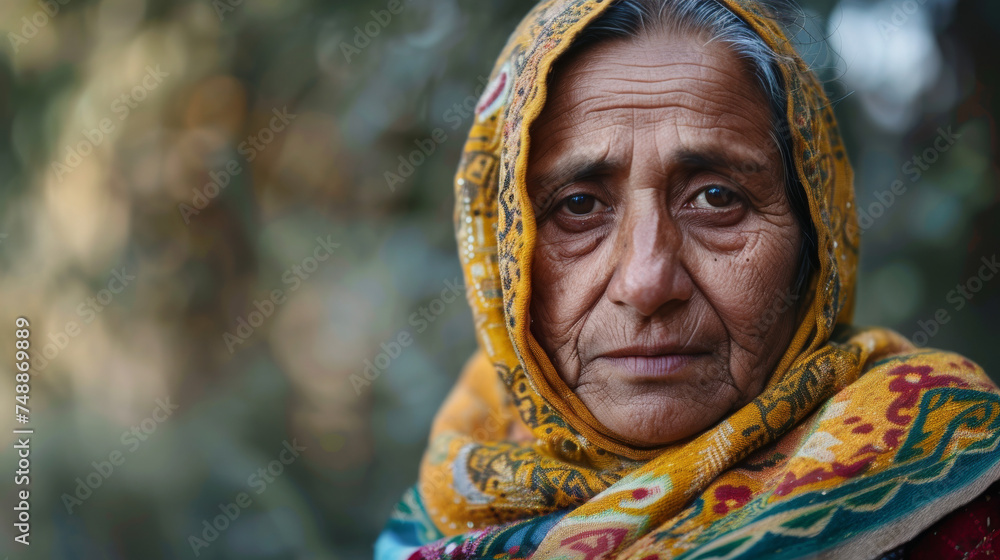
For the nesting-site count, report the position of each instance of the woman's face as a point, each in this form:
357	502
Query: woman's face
665	238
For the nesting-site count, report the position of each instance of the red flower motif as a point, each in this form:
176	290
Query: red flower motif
909	382
891	438
730	498
863	429
791	482
596	543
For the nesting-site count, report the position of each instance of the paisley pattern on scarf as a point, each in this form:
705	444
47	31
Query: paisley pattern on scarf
858	442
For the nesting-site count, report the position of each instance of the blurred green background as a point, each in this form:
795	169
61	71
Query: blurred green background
166	166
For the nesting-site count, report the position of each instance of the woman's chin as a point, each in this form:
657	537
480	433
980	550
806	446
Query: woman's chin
652	419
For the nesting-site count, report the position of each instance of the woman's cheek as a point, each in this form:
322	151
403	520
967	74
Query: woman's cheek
565	293
558	291
568	246
737	289
720	242
737	307
759	310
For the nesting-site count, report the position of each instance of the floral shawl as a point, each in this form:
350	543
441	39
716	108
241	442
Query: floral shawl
858	442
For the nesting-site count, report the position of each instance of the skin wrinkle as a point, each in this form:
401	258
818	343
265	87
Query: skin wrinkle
727	73
708	76
647	266
741	157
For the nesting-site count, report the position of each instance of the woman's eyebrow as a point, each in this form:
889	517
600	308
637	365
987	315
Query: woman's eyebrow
567	172
719	161
573	169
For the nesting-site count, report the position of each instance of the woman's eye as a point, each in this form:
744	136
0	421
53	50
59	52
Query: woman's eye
582	204
716	197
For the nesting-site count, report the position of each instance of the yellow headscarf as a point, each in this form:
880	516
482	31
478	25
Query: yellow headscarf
756	482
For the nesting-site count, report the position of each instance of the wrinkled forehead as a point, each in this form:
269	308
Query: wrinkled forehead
645	68
665	96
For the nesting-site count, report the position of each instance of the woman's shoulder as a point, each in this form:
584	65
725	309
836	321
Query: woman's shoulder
970	532
892	362
934	418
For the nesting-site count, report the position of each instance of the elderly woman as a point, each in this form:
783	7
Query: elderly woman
654	215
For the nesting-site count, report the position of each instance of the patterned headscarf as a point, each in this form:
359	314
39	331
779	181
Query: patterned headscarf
824	460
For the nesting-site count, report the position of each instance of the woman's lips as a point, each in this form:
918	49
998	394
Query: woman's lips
656	367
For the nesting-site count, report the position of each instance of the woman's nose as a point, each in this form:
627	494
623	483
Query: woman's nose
649	272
